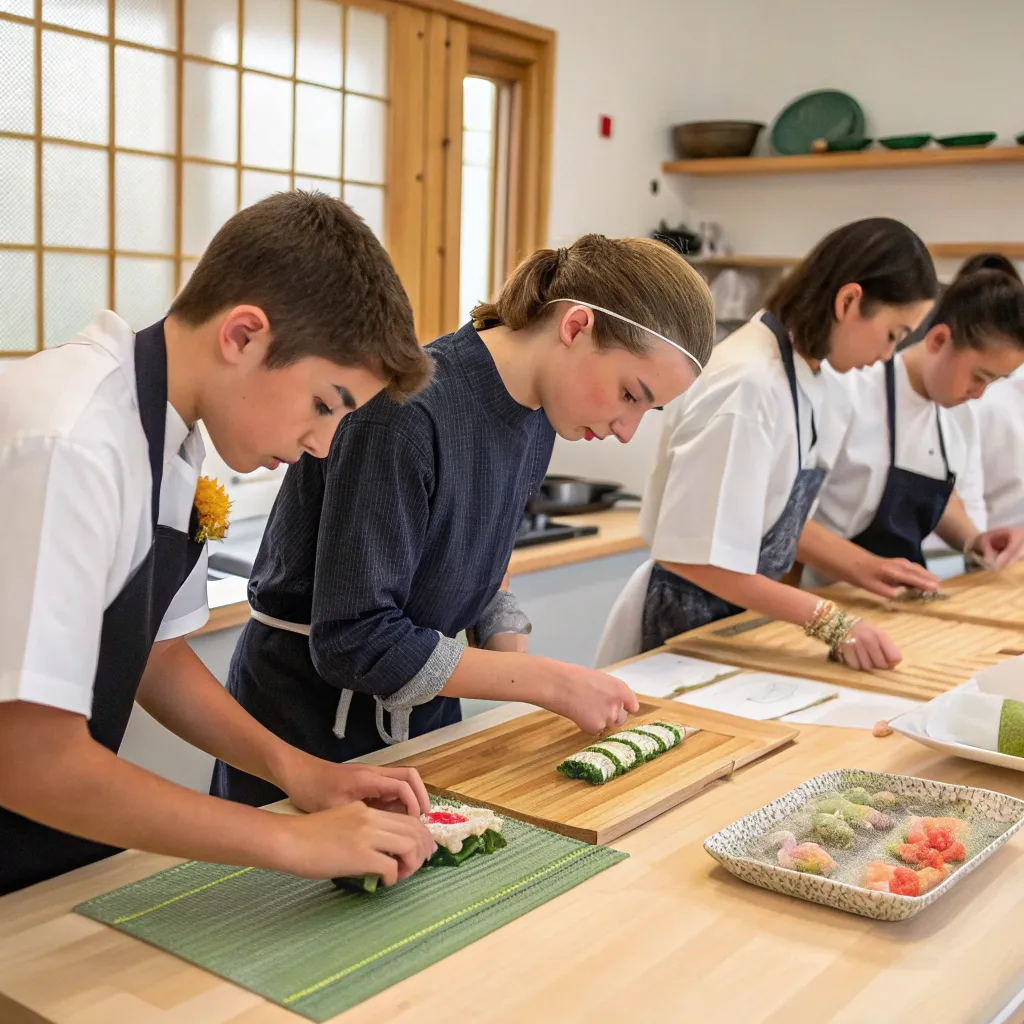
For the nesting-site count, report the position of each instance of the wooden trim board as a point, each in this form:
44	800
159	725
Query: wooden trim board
936	657
511	768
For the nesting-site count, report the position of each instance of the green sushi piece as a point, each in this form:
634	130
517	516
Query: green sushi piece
358	883
621	755
648	746
884	800
596	768
832	830
1011	728
667	735
859	795
677	731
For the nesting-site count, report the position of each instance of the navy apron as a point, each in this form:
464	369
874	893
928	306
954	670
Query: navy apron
912	503
30	852
674	604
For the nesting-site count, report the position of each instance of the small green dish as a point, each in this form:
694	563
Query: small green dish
973	139
848	145
905	141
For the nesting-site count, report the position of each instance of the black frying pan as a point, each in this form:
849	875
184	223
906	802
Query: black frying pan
571	496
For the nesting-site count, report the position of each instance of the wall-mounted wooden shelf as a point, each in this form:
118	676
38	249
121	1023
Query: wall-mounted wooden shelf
871	159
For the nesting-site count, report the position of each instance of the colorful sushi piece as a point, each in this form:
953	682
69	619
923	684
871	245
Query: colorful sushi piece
621	752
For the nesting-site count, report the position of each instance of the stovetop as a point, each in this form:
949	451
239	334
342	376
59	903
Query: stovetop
537	528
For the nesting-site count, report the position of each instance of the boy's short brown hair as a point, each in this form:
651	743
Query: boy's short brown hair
324	281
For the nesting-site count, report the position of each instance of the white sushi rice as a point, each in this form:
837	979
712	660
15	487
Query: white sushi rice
625	753
648	744
605	765
667	736
454	835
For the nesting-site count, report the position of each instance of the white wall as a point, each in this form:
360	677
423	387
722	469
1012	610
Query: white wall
939	66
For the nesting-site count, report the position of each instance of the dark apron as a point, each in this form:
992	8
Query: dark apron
912	503
30	852
674	604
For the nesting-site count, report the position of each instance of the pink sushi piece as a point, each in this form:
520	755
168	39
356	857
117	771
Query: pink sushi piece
809	858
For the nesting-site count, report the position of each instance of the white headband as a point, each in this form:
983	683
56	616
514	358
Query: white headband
618	316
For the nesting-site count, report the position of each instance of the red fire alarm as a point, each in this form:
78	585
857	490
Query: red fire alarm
605	127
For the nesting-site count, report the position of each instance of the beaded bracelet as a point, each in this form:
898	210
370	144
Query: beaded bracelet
832	626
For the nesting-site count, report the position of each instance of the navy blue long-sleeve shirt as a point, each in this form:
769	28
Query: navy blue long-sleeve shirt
400	538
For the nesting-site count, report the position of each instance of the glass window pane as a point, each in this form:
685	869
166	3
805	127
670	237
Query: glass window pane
319	56
17	78
23	8
187	266
144	102
18	183
266	122
368	202
211	29
17	301
144	203
87	15
143	289
366	52
152	22
207	200
365	139
268	44
317	131
257	185
75	207
325	185
79	113
478	96
75	289
210	112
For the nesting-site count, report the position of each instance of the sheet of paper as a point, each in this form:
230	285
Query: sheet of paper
854	709
760	695
667	675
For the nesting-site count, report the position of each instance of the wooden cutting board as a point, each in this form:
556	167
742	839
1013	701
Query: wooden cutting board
984	598
511	768
937	654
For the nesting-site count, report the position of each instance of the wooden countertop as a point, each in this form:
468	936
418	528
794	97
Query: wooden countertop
618	531
666	935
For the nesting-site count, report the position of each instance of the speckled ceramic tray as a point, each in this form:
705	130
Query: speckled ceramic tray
735	847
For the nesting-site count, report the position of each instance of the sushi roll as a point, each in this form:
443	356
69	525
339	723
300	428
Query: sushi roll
595	767
622	754
646	745
669	735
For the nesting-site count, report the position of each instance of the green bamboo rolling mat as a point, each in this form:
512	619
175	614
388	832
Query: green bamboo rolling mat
318	951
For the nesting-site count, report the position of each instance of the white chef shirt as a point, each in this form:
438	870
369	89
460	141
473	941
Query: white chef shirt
1000	417
727	458
852	492
76	508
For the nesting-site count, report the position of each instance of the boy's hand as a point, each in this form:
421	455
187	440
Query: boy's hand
315	785
594	700
354	840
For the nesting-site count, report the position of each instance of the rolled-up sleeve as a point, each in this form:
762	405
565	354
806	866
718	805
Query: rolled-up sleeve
375	515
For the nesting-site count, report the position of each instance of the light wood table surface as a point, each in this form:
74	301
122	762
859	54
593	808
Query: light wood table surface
667	935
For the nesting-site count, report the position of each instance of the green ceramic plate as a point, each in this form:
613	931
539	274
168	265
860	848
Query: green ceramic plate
974	139
905	141
826	114
848	145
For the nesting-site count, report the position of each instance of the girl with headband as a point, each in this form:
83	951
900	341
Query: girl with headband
744	452
375	560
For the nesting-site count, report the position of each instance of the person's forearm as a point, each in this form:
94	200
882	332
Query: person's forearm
51	770
754	592
830	554
179	691
498	675
955	527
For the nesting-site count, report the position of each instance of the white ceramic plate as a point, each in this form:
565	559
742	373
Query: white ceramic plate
912	725
733	846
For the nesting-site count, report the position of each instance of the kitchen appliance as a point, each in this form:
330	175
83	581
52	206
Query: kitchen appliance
574	496
537	528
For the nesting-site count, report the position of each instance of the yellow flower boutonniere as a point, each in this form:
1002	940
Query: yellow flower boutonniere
212	506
